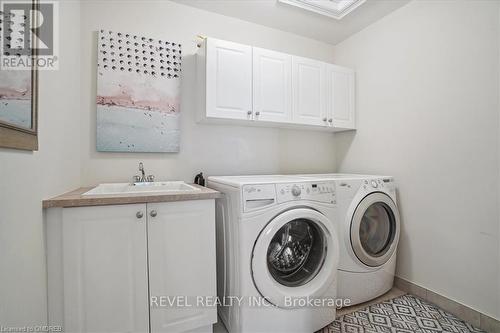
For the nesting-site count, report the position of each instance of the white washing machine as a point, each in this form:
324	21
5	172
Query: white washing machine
276	240
369	234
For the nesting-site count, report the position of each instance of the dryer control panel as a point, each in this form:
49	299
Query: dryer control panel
323	191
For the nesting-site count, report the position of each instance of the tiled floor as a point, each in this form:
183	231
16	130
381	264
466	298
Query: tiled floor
406	313
481	320
393	293
392	312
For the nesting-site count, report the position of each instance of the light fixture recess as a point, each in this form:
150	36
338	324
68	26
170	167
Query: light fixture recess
336	9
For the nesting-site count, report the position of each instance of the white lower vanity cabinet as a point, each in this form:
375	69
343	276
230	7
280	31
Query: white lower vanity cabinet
181	239
132	268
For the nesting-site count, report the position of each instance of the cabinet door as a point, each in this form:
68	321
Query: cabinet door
340	97
272	85
228	80
181	239
105	269
308	80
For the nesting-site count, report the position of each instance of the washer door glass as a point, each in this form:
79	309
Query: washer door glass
376	230
295	255
296	252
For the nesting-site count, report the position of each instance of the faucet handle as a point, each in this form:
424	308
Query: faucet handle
151	178
137	179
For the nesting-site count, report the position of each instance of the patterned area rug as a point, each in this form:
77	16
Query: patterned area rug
405	314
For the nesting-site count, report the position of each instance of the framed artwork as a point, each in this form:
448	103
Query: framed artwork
18	90
138	93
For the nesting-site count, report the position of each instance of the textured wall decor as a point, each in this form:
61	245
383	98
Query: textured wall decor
138	93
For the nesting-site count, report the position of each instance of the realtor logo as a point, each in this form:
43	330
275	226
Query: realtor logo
28	35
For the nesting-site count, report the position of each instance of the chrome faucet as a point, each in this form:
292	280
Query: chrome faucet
141	169
142	178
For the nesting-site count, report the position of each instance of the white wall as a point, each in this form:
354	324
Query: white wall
67	158
213	149
427	101
27	178
498	203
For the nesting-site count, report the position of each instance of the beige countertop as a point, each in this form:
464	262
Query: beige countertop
76	199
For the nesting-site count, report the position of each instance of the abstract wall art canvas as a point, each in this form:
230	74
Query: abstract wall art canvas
138	93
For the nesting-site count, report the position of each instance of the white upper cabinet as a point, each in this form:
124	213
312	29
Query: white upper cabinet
340	97
228	80
308	79
272	85
253	86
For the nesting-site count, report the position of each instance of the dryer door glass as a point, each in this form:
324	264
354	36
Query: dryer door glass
376	230
296	252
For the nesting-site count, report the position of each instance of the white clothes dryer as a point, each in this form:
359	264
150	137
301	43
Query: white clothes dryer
369	232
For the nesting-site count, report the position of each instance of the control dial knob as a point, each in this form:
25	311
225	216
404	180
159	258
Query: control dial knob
296	191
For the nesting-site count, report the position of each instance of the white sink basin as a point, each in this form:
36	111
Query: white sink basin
141	188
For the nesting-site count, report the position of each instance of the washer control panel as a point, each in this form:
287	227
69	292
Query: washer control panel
314	191
258	196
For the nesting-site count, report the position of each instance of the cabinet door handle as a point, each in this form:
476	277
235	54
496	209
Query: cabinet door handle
330	120
153	213
324	119
257	113
249	113
139	215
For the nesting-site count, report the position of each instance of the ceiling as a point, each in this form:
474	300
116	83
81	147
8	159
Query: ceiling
274	14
